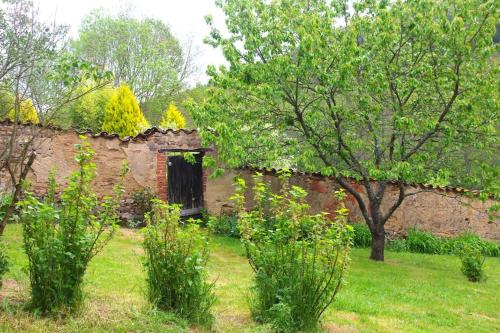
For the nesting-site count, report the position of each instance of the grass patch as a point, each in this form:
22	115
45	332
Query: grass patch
409	292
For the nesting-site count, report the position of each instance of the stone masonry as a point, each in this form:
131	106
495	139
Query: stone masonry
441	211
55	150
444	212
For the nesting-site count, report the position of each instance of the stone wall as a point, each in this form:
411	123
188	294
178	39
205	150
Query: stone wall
442	212
55	150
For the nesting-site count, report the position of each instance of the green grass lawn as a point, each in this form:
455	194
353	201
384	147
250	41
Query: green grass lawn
406	293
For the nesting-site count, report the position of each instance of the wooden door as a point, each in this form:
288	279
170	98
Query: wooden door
185	183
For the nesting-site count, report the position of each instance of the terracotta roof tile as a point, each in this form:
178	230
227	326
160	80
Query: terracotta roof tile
150	131
141	136
318	174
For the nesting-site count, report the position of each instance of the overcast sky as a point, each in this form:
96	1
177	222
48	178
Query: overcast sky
185	18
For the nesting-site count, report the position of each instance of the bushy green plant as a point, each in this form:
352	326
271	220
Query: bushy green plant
419	241
472	258
488	248
61	235
175	264
423	242
299	259
362	236
204	217
173	118
86	112
143	201
398	245
25	112
4	263
491	249
5	200
123	114
226	225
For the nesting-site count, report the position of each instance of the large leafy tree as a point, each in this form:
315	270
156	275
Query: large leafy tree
383	90
141	53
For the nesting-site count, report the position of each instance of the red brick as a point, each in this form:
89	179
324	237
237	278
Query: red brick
161	176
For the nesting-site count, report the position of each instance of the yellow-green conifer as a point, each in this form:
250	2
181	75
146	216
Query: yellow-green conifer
27	113
173	118
123	114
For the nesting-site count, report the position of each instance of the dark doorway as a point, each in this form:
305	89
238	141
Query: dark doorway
185	183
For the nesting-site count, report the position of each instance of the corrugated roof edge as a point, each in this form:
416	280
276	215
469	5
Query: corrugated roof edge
143	135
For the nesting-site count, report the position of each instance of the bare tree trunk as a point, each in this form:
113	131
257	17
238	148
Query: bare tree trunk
17	192
8	214
378	243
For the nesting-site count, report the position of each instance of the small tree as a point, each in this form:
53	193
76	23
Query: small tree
299	259
61	235
34	67
472	256
390	91
140	52
86	112
175	263
173	118
123	114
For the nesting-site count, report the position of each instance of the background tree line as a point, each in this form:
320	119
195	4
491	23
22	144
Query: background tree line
142	54
120	75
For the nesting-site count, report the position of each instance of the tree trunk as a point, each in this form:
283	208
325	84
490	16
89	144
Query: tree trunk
378	243
18	189
10	211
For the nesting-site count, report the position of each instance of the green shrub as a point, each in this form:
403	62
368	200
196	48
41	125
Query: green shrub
487	248
299	259
123	114
175	264
4	263
362	236
398	245
5	200
204	217
143	201
62	236
423	242
226	225
491	249
472	258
